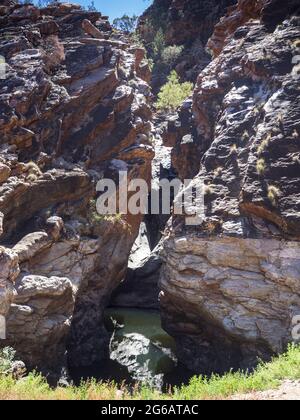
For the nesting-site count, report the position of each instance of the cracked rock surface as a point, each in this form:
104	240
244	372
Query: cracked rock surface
73	109
231	286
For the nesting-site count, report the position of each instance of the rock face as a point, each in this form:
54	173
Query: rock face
73	109
184	22
140	286
228	300
230	287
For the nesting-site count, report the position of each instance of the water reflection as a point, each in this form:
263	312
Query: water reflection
140	351
139	344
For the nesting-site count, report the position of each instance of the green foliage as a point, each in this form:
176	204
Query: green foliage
265	376
126	23
173	93
158	44
7	355
170	55
93	215
96	218
150	64
136	39
158	17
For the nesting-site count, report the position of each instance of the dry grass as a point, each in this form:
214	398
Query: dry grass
273	194
261	166
233	149
218	171
264	144
208	190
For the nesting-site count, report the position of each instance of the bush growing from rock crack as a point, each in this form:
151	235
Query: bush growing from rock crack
273	194
173	93
261	166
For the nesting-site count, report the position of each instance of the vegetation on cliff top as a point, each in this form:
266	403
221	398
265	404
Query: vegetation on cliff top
266	376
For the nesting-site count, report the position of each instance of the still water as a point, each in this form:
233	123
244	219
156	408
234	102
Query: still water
140	345
140	351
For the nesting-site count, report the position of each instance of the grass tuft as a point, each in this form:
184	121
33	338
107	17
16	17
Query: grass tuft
273	194
264	145
261	166
218	171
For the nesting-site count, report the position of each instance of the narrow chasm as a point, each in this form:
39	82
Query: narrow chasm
139	349
204	93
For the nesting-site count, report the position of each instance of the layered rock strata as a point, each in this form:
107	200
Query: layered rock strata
186	23
231	286
73	110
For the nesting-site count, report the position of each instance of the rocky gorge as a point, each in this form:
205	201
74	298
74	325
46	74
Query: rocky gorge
73	110
75	107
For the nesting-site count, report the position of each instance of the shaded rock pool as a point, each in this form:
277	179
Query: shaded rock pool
139	351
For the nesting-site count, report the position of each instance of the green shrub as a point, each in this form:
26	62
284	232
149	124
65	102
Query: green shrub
158	44
264	144
136	39
95	218
7	355
171	54
173	93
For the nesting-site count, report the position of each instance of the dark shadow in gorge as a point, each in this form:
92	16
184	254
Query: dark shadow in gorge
140	352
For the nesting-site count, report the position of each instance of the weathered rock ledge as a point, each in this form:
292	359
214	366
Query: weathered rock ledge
229	300
73	109
231	286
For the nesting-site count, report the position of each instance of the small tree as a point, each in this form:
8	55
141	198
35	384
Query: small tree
171	54
126	23
158	44
173	93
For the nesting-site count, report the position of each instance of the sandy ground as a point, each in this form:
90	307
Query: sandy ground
289	390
